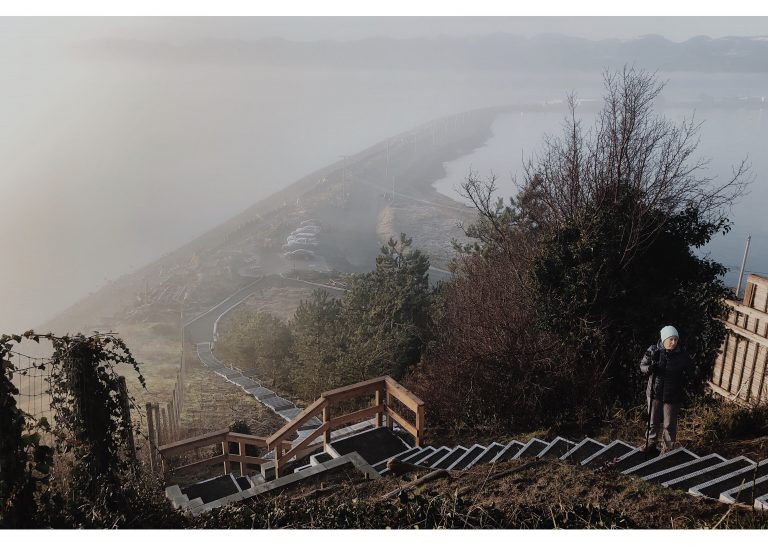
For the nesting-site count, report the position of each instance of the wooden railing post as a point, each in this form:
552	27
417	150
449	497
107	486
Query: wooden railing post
419	425
327	419
379	418
241	451
278	457
389	407
225	450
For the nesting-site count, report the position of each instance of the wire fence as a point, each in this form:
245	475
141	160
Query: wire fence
32	378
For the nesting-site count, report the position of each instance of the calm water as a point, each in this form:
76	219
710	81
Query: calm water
727	136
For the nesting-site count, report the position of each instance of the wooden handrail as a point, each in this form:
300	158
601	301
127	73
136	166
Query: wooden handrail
258	441
355	416
176	448
355	389
301	445
403	394
297	422
402	422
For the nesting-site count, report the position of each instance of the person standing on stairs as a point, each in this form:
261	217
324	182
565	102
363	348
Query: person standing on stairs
668	367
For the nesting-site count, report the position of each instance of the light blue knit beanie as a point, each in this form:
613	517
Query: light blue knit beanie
667	332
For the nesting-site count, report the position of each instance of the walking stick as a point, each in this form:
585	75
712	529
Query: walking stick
650	409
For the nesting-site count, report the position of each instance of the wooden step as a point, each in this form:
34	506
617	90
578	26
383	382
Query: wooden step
532	448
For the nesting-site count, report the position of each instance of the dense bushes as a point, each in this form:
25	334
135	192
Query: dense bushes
380	327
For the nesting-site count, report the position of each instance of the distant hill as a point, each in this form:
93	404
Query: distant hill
482	53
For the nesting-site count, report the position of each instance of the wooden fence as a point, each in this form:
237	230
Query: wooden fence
164	419
740	370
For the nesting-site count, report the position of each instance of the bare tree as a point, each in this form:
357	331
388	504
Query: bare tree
633	157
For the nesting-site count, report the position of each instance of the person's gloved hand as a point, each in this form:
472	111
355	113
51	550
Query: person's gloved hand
655	357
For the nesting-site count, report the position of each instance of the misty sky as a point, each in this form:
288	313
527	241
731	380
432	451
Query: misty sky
109	162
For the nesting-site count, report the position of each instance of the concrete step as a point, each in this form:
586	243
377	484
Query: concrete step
675	458
761	503
276	403
533	448
212	489
682	470
708	474
557	448
415	458
748	493
260	392
508	452
633	459
450	458
318	458
374	445
611	452
714	488
462	462
382	465
487	456
434	457
584	449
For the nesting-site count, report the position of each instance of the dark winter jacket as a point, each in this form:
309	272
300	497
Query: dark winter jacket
673	370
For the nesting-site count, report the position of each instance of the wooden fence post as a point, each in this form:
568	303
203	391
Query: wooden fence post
166	425
151	437
389	407
158	429
125	406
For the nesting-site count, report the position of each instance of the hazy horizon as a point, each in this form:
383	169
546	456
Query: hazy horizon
113	158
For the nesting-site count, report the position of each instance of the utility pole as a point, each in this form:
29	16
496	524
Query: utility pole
386	168
344	179
743	264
